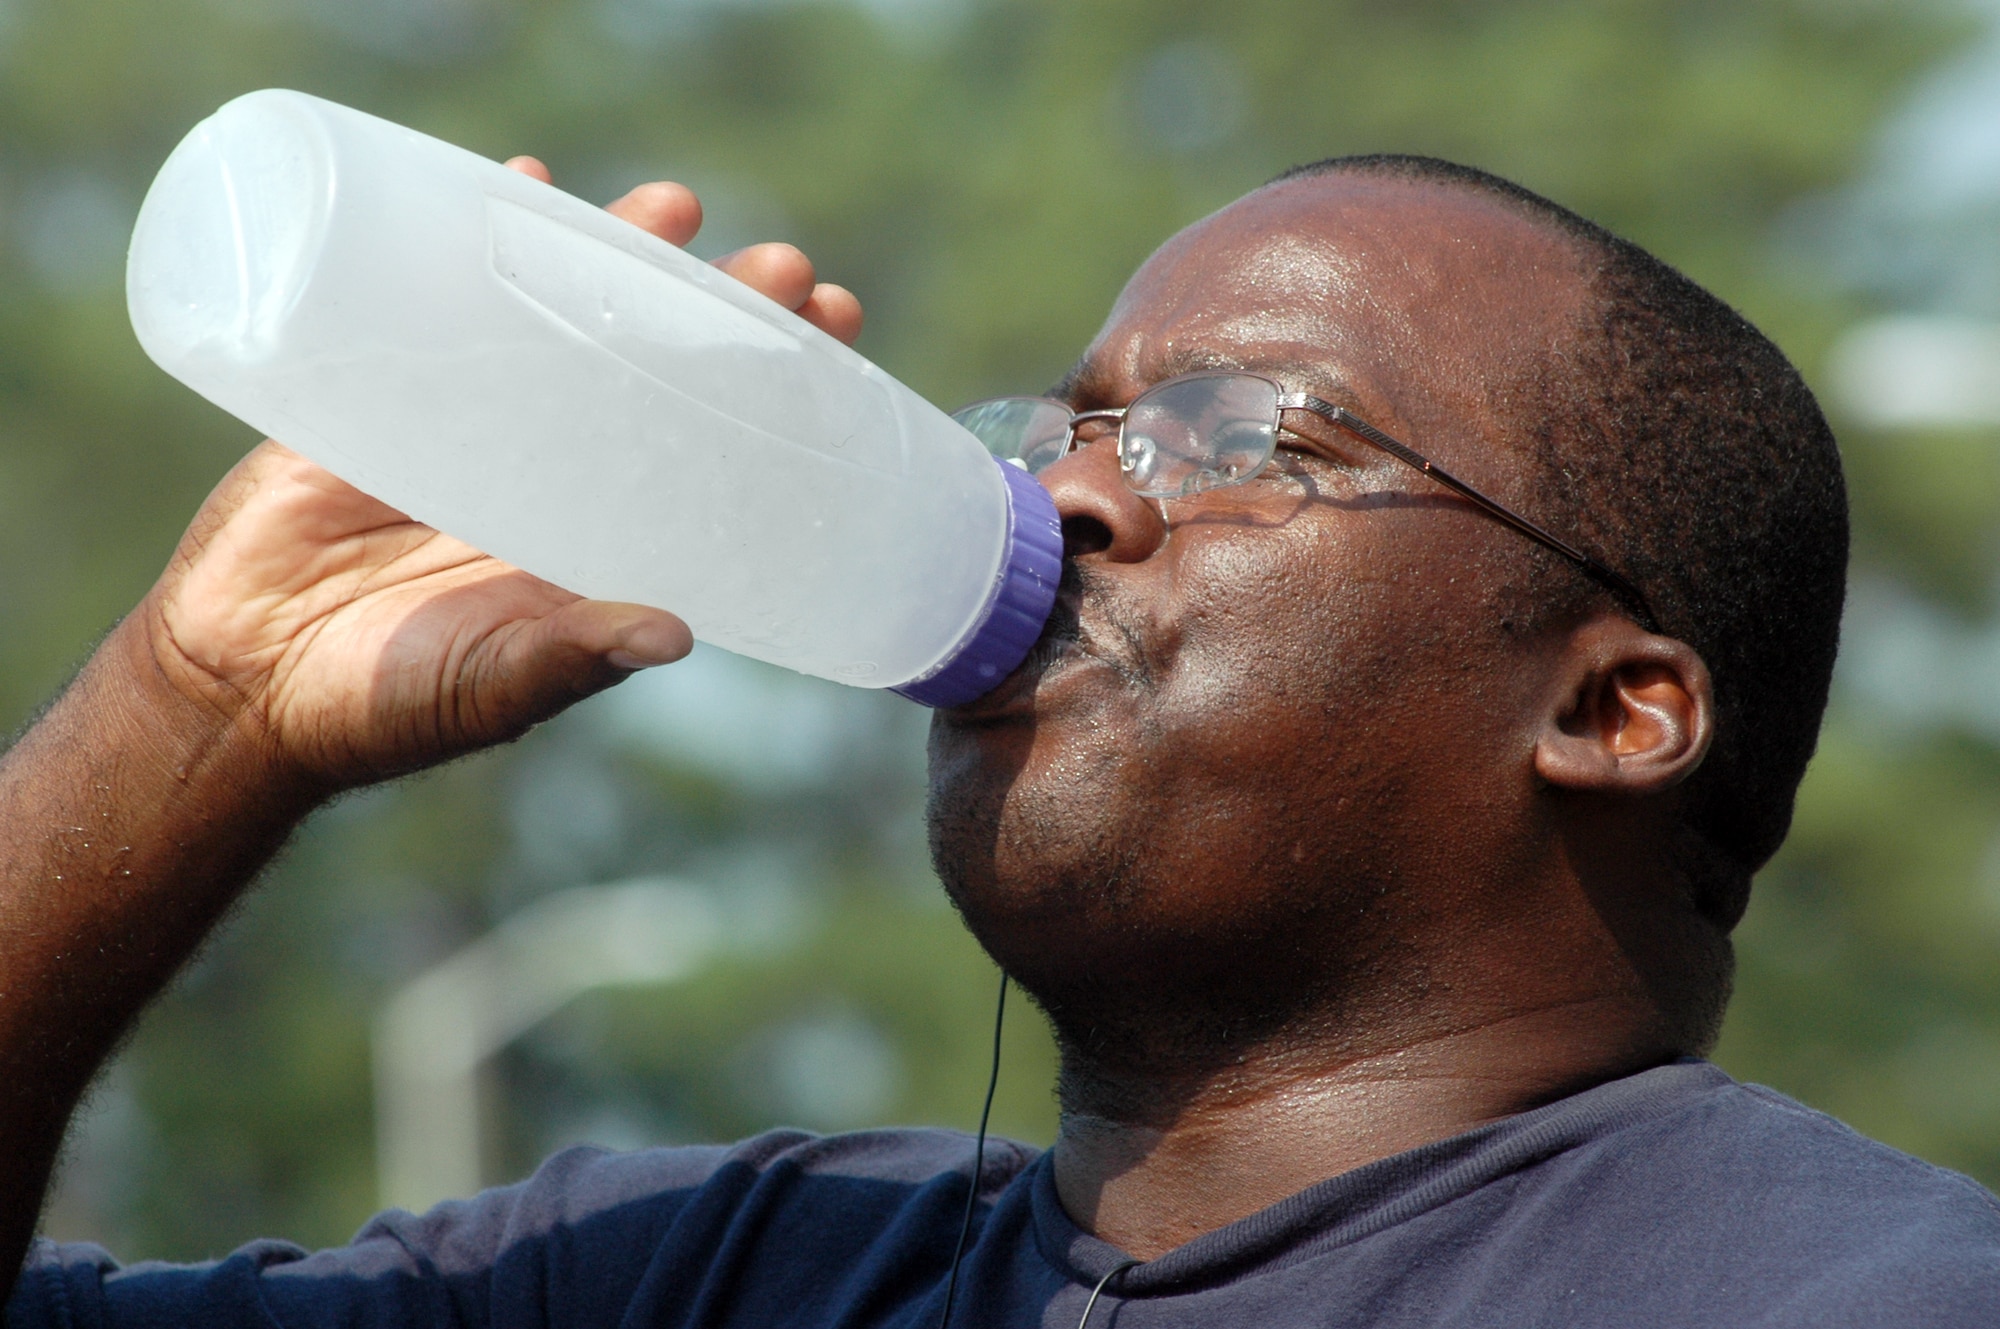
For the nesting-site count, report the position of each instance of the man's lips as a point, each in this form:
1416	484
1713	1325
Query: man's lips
1064	642
1060	639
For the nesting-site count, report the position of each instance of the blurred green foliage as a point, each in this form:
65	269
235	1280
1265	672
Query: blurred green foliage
985	173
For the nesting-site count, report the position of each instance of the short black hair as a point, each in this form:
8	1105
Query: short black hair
1686	451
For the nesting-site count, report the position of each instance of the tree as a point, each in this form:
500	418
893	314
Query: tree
985	174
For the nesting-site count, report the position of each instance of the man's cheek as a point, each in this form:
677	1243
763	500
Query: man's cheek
1279	637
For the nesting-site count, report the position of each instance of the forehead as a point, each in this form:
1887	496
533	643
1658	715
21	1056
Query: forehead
1417	295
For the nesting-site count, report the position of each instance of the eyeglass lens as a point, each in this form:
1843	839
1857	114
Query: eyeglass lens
1030	431
1185	435
1199	432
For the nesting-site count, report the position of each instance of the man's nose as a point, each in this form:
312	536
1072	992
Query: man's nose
1100	515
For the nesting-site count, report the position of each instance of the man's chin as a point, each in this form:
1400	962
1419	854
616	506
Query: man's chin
1136	1000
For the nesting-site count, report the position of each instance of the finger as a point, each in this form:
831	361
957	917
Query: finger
779	271
625	636
644	639
545	664
833	310
666	209
531	167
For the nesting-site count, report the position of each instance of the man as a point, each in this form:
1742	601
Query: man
1373	851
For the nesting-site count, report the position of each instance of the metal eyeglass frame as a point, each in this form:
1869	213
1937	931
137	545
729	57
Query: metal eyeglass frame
1344	419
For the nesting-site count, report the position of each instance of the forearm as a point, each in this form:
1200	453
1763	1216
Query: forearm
131	816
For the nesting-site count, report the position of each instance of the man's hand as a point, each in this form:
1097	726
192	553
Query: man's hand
350	643
305	638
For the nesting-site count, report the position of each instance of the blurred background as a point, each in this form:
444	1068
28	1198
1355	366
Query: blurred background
984	173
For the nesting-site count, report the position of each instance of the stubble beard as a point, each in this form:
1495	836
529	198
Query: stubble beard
1163	951
1147	1003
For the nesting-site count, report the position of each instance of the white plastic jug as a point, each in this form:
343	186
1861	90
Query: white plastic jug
563	391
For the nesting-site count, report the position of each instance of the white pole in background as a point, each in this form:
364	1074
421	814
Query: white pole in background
434	1033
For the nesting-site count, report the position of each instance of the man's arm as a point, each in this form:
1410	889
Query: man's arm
303	640
129	821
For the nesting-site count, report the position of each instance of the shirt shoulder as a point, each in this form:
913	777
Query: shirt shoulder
1742	1202
1770	1151
570	1245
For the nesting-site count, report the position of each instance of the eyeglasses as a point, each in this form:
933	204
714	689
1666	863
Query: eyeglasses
1210	430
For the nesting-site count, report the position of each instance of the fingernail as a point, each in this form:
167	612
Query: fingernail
648	643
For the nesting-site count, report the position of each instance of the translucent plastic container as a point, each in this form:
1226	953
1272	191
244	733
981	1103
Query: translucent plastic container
559	389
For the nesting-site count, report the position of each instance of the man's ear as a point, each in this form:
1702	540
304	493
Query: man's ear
1632	712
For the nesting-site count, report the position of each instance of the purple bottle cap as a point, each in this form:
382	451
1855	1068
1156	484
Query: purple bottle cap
1023	593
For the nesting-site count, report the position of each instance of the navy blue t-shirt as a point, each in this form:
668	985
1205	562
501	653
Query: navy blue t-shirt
1675	1197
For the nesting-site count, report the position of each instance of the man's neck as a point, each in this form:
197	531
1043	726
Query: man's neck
1231	1143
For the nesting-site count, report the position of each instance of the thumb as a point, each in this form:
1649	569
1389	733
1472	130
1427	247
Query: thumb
641	636
580	649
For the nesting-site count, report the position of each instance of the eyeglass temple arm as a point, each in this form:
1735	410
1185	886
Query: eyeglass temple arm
1409	456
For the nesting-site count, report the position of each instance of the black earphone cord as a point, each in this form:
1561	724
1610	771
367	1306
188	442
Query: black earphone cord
978	1159
979	1168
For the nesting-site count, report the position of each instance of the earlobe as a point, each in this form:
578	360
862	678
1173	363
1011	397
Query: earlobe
1633	712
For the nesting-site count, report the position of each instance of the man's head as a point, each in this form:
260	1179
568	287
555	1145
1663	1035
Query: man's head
1332	755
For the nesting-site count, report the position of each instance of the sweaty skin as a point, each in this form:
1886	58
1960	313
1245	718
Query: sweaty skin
1290	836
1312	842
